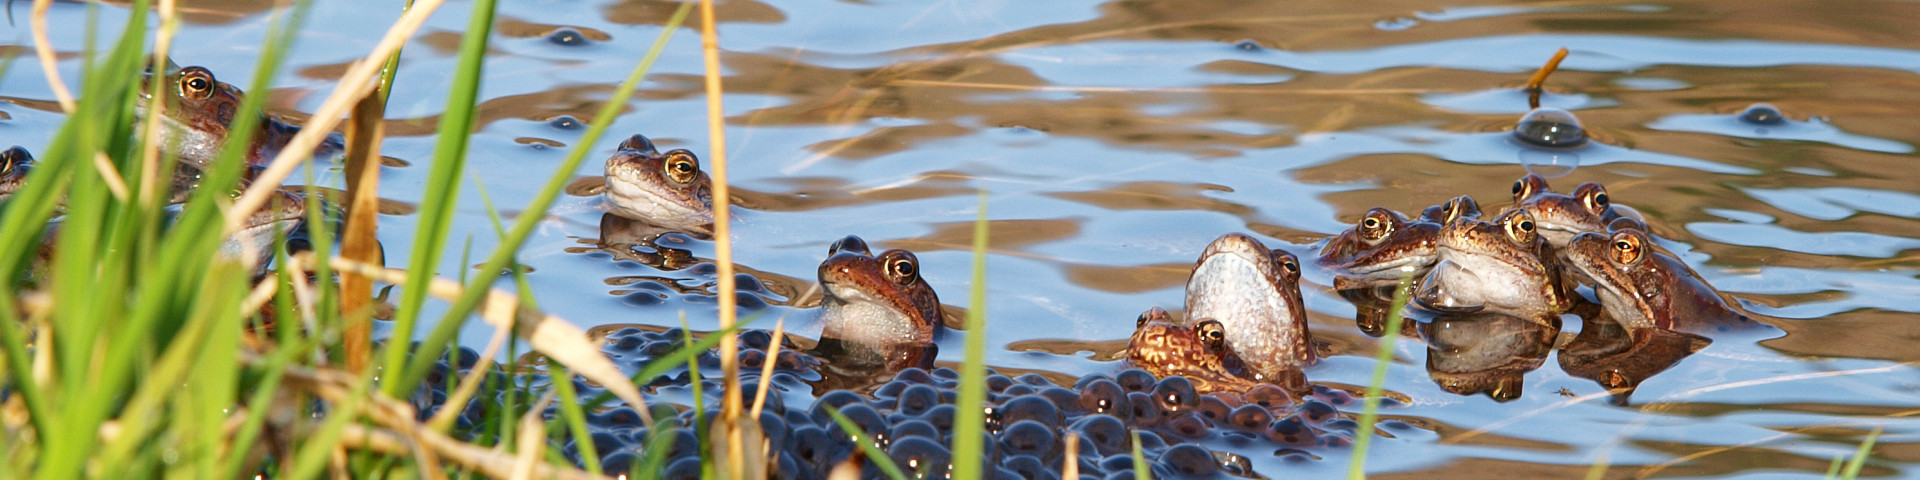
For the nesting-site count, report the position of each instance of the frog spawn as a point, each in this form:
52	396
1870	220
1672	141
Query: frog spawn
911	417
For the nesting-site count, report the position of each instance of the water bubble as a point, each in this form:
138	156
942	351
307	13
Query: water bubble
1550	127
1762	114
1549	164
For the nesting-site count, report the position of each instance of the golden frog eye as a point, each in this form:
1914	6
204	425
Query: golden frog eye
1519	226
1528	186
1289	265
681	166
196	83
1376	225
1213	334
1627	248
1593	196
901	266
1458	207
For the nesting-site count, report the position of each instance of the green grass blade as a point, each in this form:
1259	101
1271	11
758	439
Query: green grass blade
865	442
1833	468
437	203
522	228
969	418
576	420
1860	456
1141	470
1363	438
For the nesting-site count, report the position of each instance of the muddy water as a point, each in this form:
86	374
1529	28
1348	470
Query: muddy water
1115	139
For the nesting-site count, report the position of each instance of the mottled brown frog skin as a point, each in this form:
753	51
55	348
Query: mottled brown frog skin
1641	286
200	111
876	299
15	163
1197	351
1502	267
666	190
1254	293
1385	246
1560	217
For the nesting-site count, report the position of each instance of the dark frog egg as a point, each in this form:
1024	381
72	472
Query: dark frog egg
1550	127
1108	434
1189	461
920	457
1135	380
1762	114
567	36
1175	394
1103	396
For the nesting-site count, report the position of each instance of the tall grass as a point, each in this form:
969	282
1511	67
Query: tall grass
1370	414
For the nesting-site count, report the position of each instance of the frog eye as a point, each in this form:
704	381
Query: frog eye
1213	334
196	83
1458	207
1527	187
1289	265
1519	226
1593	196
681	166
901	266
1627	248
1376	225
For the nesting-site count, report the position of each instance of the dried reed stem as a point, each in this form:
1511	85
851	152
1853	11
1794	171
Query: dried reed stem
43	48
1540	77
723	244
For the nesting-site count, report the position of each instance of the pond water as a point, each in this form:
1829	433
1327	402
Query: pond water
1116	139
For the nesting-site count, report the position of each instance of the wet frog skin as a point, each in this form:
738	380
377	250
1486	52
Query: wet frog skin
15	163
1197	351
1560	217
1502	267
876	299
199	114
1385	246
666	190
1642	287
1254	293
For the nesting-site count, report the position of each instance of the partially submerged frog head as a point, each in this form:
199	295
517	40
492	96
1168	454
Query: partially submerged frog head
1560	217
1642	287
15	163
876	299
666	190
199	115
1254	293
1381	247
1502	266
1197	350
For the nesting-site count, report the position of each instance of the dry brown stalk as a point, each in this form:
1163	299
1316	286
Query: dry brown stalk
1540	77
358	238
766	369
43	49
722	235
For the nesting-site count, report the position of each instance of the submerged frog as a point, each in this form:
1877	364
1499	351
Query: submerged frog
1254	293
1502	267
876	299
200	111
1641	286
666	190
1560	217
1385	246
254	244
1197	351
15	163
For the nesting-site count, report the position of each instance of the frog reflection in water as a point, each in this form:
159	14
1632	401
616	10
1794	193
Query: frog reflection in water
879	314
665	190
1502	267
1487	352
200	112
1620	358
1197	350
1254	293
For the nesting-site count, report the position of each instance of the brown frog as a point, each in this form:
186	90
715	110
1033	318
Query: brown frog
1503	267
1641	286
1560	217
200	111
15	163
666	190
1254	293
254	244
1197	351
876	299
1385	246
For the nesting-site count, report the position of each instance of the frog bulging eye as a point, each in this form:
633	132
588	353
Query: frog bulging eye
1519	226
196	83
901	267
681	166
1378	224
1289	266
1593	196
1213	334
1527	187
1627	248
